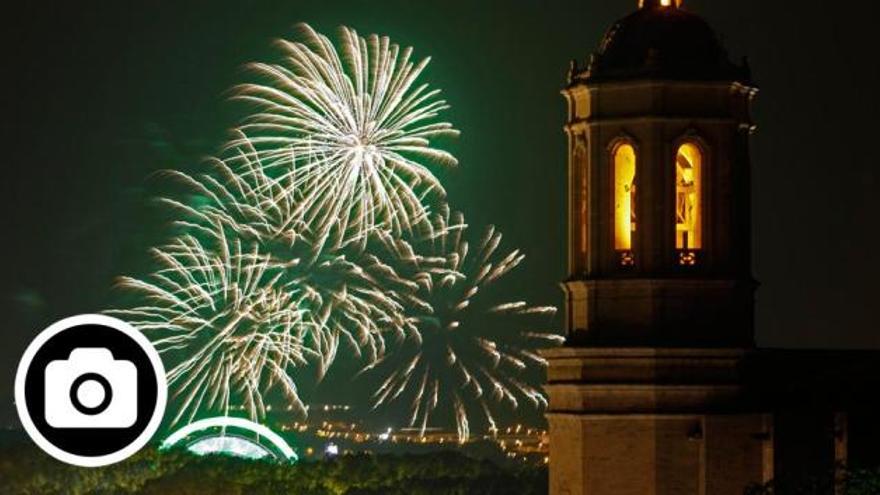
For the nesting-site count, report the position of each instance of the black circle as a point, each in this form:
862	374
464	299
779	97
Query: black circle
89	442
79	406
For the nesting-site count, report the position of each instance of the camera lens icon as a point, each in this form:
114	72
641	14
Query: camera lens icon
91	390
104	393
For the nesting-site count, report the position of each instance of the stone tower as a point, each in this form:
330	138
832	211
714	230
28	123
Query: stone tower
647	396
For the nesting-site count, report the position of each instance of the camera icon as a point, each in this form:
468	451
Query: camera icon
91	390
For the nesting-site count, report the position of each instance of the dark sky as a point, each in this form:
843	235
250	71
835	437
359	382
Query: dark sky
98	96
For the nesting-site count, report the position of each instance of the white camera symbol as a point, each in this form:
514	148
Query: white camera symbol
91	390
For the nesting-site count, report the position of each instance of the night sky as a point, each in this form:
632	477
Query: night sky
98	97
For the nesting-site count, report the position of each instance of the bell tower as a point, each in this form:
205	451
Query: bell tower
659	202
647	396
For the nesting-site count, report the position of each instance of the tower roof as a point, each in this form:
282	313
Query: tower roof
662	40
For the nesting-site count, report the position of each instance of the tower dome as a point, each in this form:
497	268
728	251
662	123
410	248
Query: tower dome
662	40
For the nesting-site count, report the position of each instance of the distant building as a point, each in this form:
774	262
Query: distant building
660	388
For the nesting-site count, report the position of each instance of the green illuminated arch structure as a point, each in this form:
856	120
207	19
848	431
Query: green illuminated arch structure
237	437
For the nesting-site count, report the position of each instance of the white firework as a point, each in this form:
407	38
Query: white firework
357	297
353	133
227	322
469	351
315	229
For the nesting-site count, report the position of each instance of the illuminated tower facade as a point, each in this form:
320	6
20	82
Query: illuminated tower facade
647	396
659	201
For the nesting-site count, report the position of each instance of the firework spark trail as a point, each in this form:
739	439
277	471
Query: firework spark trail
226	320
240	195
351	132
465	352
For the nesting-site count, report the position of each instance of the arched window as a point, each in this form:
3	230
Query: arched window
688	202
624	200
580	162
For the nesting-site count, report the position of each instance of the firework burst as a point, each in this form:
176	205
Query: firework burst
468	352
357	297
314	232
352	132
228	322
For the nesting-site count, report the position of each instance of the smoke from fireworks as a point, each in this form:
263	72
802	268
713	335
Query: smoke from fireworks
352	131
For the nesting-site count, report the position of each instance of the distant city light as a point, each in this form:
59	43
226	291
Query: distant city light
385	436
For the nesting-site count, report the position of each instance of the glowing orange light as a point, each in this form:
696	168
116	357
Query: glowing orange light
624	196
663	3
688	187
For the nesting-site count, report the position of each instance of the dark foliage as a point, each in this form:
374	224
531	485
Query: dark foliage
25	470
